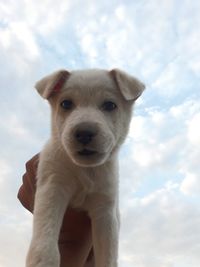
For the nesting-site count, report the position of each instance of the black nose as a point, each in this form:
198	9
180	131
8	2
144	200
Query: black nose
84	136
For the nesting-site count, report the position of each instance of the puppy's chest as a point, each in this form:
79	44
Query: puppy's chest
89	185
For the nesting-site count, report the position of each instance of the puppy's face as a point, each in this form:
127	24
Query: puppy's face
90	113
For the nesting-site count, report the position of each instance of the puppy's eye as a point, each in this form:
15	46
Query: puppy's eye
109	106
66	104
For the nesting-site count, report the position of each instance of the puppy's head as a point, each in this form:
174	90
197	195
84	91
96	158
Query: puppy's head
91	111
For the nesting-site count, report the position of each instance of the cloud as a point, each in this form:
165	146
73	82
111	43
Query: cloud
14	221
163	157
41	18
194	130
160	230
159	134
15	237
23	37
153	144
190	184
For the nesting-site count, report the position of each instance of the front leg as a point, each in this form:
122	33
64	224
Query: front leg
105	232
51	201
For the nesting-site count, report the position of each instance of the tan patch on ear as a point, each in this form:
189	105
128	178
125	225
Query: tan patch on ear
62	77
52	84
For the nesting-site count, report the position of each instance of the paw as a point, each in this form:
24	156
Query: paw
43	256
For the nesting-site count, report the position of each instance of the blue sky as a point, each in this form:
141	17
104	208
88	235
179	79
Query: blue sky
157	41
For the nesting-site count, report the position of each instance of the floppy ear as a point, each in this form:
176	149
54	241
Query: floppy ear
130	87
52	83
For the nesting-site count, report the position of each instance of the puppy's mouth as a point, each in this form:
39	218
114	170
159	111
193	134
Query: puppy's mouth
87	153
86	157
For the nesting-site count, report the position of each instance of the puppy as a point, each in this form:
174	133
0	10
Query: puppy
78	167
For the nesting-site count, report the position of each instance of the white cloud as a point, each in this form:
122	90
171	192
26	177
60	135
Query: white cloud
194	130
190	170
160	135
191	184
14	239
4	170
88	47
157	53
159	223
120	13
153	144
19	34
169	80
15	222
156	231
44	19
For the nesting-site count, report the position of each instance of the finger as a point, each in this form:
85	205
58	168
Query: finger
29	178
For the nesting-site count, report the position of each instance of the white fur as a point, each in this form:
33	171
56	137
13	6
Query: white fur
84	182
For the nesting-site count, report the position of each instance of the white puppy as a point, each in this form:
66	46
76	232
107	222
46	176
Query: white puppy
78	167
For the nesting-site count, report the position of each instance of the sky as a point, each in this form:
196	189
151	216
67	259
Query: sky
154	40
